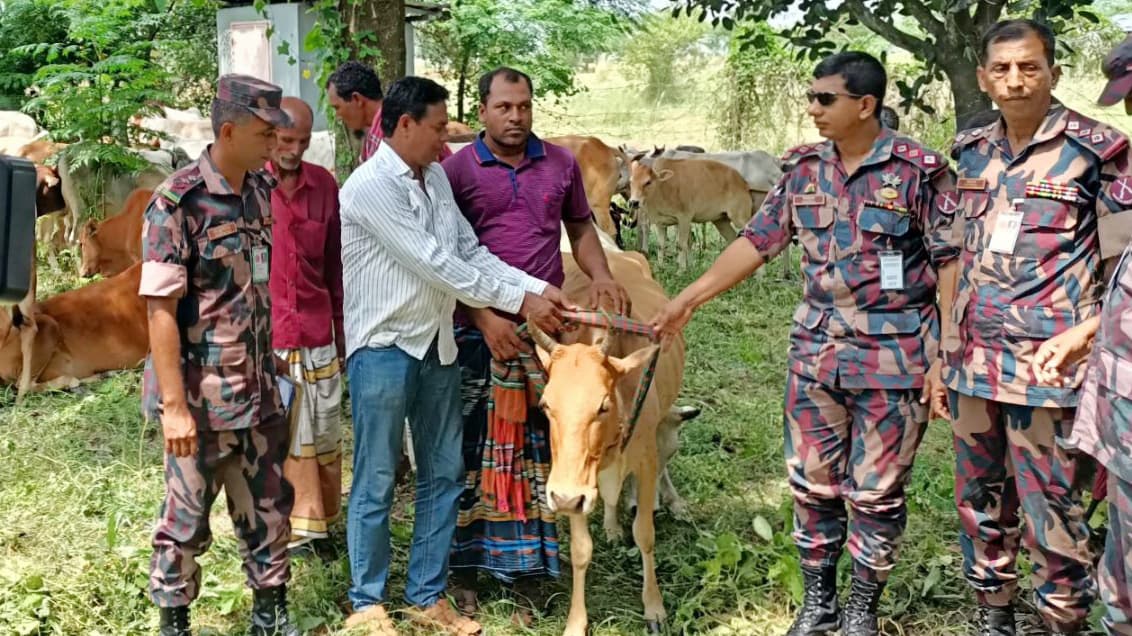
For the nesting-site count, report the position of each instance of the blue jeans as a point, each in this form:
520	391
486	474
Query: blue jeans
386	386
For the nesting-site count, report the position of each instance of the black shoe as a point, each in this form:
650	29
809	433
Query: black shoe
819	614
860	617
996	621
175	621
269	613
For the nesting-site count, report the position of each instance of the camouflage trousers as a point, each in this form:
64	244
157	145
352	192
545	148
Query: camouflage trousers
248	463
1007	460
1116	566
852	446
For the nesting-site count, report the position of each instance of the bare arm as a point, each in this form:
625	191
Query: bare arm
165	342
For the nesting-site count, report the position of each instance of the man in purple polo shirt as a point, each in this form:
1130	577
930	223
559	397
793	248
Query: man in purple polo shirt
516	191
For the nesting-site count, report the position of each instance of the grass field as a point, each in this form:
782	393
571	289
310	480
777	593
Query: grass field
80	485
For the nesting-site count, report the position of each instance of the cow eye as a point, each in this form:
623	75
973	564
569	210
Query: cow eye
604	406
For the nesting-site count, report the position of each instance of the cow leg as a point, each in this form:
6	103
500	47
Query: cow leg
667	443
661	242
725	230
683	240
642	230
581	552
644	533
609	486
28	330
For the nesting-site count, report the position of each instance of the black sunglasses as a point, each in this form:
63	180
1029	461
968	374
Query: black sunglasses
826	98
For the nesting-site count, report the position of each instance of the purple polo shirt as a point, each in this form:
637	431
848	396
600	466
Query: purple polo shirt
517	212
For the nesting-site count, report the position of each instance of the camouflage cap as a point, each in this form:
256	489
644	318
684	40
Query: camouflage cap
258	96
1118	69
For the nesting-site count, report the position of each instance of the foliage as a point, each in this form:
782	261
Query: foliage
944	34
761	85
187	50
664	49
544	38
24	22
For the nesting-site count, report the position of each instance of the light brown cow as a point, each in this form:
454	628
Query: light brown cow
601	174
592	380
82	332
684	191
115	244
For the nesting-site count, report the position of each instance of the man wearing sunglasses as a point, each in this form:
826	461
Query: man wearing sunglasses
872	211
1044	191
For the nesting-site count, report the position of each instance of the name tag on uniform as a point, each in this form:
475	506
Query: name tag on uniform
220	231
809	199
260	270
969	183
1006	229
892	270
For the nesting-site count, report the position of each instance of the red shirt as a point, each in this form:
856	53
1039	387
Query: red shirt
374	137
306	262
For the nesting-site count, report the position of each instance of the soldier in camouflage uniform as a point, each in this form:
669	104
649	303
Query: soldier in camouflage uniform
210	378
1103	426
1041	193
872	211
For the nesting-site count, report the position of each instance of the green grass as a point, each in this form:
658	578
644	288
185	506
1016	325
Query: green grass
80	485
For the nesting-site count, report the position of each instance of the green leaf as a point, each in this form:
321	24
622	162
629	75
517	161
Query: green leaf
763	529
931	581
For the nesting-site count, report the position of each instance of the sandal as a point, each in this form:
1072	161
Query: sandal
466	601
374	620
442	617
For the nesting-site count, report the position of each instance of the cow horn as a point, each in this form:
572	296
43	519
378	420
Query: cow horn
637	157
541	339
605	344
657	151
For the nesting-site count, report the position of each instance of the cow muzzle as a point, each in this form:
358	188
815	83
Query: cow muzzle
572	502
634	204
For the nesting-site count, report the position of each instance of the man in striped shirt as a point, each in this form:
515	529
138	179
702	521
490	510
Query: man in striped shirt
408	255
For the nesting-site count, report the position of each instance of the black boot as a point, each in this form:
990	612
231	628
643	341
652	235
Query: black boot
996	621
860	617
269	613
819	614
175	621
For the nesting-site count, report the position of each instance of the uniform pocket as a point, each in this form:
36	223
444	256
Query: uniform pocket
216	377
891	342
881	221
1047	228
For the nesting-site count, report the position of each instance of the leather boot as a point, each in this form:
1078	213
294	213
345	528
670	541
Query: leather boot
860	617
996	621
175	621
269	613
819	614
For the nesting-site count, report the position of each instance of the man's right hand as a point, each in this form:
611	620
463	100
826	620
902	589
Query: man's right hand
543	311
499	334
934	393
180	432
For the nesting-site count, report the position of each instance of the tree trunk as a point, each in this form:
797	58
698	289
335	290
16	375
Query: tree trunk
385	19
965	93
461	90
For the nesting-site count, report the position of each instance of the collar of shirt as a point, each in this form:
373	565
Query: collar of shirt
881	152
218	185
388	157
485	157
1052	126
270	168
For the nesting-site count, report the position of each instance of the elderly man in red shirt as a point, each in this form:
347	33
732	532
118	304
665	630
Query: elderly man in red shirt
306	314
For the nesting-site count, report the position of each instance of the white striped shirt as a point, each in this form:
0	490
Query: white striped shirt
407	258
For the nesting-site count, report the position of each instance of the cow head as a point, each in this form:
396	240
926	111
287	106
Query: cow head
48	190
587	397
91	249
642	179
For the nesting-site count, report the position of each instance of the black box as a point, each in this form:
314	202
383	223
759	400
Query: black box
17	227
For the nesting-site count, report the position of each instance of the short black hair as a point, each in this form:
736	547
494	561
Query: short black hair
863	73
509	74
354	77
409	96
227	112
1014	30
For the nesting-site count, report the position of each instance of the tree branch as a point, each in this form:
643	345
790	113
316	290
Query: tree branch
886	30
987	13
920	11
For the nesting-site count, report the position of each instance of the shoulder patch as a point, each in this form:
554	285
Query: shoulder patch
911	151
179	183
967	137
1098	137
797	153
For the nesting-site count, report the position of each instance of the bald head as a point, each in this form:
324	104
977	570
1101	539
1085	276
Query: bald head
293	141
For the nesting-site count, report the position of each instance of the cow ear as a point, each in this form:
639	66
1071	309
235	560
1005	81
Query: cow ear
633	362
664	175
544	357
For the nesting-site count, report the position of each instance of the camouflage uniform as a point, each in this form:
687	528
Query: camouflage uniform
1103	429
1063	193
200	239
861	342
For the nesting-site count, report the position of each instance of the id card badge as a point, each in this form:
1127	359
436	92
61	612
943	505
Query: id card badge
892	270
260	270
1006	229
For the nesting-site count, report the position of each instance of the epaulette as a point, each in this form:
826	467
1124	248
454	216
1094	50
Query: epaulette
269	180
1099	138
967	137
178	184
797	153
929	161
